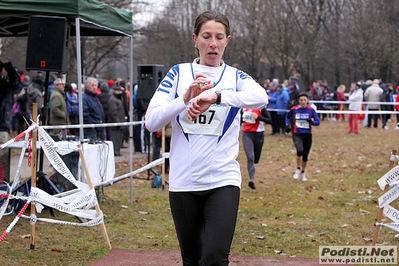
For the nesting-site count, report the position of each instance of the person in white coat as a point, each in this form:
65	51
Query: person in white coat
355	104
203	99
373	96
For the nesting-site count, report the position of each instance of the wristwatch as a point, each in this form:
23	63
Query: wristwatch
218	97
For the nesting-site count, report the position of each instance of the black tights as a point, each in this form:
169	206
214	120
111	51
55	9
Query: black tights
205	222
303	143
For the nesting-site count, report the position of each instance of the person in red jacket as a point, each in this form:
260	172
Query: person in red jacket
396	107
341	98
253	137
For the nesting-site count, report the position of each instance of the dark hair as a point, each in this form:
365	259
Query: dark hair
68	87
303	94
208	16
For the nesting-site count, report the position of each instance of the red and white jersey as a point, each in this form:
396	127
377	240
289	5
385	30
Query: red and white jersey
252	124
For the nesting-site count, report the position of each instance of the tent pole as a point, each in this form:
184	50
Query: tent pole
131	118
79	75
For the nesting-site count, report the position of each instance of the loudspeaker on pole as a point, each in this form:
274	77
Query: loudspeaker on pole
149	77
47	48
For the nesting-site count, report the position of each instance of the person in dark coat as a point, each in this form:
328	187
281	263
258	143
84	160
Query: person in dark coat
104	97
93	112
116	114
10	84
293	92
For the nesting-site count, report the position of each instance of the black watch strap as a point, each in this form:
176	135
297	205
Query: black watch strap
218	97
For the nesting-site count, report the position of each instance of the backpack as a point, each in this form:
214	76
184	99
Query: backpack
72	105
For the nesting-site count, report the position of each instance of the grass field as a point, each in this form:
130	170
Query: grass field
337	206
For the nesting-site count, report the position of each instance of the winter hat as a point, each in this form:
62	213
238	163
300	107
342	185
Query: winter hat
111	83
104	87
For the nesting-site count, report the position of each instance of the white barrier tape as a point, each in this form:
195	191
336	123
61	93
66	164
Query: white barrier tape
14	222
392	226
71	197
95	125
392	213
50	148
32	127
390	176
142	169
17	176
55	203
348	102
5	204
48	139
92	222
388	197
342	111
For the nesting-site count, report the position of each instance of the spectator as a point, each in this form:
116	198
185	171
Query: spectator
58	107
103	97
396	107
293	93
272	107
34	95
373	95
319	94
341	98
137	116
72	103
386	97
116	114
282	99
10	84
355	104
125	101
93	112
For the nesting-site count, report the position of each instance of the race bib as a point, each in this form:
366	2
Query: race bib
302	124
209	122
247	117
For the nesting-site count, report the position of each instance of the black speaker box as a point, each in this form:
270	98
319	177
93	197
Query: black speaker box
149	77
47	48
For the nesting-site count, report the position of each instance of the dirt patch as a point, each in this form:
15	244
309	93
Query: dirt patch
123	257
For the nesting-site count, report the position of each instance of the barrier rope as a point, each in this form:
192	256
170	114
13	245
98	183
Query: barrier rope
14	222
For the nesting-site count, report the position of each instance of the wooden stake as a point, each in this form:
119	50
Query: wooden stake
381	210
98	211
33	177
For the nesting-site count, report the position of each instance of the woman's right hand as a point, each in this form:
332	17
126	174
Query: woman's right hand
200	84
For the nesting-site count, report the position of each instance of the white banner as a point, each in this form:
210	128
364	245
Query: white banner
50	148
389	177
388	197
392	213
55	203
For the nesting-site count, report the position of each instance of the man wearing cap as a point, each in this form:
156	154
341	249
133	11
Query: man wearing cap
116	114
58	110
